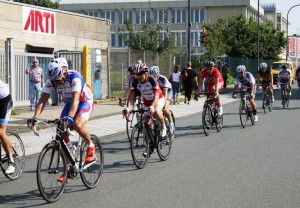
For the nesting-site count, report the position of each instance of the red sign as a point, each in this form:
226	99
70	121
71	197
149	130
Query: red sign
38	21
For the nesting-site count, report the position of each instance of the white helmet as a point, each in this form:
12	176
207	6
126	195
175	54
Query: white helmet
154	70
240	68
63	62
54	70
263	65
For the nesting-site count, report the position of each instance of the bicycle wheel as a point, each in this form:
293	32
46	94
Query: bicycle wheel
18	153
164	145
250	113
206	120
139	146
219	123
243	114
91	173
265	97
51	165
129	124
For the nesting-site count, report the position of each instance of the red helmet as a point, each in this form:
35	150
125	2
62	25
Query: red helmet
140	68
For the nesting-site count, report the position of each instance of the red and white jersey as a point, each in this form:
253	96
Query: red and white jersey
148	89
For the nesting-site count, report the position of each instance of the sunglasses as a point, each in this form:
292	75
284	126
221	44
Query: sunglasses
35	62
209	69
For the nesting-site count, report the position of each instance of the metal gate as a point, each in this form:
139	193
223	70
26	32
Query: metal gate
74	59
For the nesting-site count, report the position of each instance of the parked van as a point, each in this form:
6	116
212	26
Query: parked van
276	67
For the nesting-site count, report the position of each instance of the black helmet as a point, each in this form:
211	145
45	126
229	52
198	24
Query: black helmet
283	66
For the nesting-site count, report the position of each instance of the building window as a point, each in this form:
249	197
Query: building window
179	16
109	15
197	15
142	16
113	40
123	15
121	43
180	38
161	16
93	13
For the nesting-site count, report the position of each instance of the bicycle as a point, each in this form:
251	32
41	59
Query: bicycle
133	116
145	137
210	116
245	109
18	153
285	95
267	99
52	163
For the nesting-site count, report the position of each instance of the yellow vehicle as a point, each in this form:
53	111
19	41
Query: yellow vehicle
276	67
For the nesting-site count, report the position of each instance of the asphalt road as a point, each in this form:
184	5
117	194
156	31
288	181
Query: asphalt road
257	166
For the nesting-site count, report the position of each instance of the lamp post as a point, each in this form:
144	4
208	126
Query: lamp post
258	35
287	31
189	32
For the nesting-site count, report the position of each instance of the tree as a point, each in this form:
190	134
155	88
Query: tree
237	36
150	37
42	3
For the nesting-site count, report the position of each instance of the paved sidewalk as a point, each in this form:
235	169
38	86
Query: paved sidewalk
106	120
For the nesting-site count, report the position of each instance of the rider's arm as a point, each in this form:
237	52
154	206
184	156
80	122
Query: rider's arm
41	104
216	86
200	85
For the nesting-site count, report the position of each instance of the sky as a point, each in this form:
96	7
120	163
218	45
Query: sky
283	6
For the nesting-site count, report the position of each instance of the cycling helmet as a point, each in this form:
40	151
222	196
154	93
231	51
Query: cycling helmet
54	70
130	69
283	66
240	68
209	64
140	68
63	62
263	65
154	70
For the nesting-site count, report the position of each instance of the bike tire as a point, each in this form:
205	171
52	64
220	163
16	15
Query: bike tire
206	120
129	125
167	122
139	146
243	114
91	175
250	114
50	166
265	97
18	153
164	145
219	124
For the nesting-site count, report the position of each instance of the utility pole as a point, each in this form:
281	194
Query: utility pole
189	32
258	35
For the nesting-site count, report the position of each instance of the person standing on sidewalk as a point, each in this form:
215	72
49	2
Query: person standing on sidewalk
36	82
6	106
189	79
175	79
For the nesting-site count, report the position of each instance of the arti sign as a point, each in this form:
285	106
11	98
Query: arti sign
38	21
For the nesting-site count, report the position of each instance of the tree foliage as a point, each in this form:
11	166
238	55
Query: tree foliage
149	37
42	3
237	37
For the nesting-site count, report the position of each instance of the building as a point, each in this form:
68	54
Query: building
173	14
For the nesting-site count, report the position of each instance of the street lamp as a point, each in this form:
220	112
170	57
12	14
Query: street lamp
287	31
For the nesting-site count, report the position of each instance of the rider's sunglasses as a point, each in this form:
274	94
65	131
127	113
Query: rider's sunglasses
209	68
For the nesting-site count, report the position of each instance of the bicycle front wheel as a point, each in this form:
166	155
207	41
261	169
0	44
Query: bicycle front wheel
139	146
51	165
91	173
219	123
206	120
130	123
18	153
243	114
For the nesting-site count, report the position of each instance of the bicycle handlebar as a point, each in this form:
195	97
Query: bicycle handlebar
47	122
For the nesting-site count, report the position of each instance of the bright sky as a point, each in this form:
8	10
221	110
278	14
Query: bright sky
283	6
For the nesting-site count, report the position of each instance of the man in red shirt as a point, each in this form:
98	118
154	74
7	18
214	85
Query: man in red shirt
214	82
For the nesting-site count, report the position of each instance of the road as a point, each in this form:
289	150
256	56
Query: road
257	166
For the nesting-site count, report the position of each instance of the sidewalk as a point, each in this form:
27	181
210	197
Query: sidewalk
106	120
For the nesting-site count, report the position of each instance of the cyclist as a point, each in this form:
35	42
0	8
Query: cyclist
128	82
266	75
247	83
214	82
166	88
284	77
6	106
152	96
78	102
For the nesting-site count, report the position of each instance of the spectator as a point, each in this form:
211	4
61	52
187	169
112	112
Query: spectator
189	79
175	81
36	82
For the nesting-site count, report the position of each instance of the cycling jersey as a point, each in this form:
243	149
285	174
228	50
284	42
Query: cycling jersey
148	88
128	81
6	103
164	83
212	78
74	83
265	75
284	76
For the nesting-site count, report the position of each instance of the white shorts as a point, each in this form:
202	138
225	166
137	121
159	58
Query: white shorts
160	102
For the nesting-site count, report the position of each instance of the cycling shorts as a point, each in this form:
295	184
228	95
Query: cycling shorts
160	103
84	110
6	106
